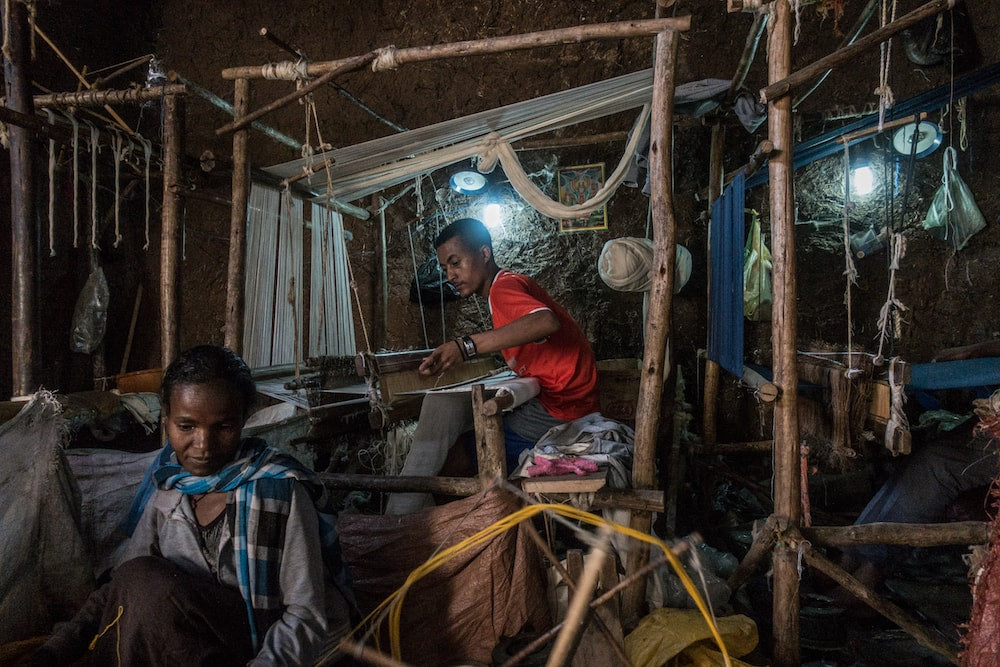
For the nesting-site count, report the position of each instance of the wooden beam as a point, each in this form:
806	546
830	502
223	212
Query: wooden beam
416	54
787	486
893	612
710	396
660	299
905	534
448	486
170	235
396	57
789	82
100	98
236	268
24	291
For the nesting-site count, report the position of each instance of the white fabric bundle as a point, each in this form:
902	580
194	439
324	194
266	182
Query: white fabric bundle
625	263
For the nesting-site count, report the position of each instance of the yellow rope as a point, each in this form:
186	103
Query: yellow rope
118	634
394	603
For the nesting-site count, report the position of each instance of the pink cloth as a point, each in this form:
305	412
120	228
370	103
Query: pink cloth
576	465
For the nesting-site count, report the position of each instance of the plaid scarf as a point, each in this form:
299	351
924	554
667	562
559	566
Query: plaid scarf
261	479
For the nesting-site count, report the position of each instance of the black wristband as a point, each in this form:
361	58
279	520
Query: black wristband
461	348
468	346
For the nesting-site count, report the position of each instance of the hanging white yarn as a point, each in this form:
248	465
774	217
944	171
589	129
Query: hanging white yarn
117	145
850	270
897	430
52	187
147	151
76	179
94	149
897	245
495	147
884	92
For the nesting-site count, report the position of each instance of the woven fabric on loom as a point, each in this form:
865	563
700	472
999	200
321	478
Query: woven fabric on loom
725	328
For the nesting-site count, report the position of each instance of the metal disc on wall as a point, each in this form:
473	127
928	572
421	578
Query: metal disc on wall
925	134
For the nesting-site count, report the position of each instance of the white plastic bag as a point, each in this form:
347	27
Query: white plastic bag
953	215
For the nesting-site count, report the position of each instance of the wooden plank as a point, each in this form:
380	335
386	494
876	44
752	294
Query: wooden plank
588	483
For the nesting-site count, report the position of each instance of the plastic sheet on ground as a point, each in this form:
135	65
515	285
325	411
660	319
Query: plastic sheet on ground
461	610
666	634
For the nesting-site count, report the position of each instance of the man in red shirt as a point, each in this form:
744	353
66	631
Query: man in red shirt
535	335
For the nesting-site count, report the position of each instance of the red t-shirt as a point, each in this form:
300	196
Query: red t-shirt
563	363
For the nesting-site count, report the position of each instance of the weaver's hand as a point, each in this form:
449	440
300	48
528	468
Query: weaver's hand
443	357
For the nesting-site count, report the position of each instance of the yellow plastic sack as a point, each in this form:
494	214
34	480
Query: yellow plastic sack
757	297
668	633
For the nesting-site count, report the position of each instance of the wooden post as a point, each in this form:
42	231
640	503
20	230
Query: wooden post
787	489
710	401
170	259
236	273
488	417
660	297
22	220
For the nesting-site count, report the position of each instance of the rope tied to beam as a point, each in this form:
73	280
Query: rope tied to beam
884	92
385	59
76	178
285	70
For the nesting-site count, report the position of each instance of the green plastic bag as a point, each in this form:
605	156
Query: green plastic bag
757	297
953	215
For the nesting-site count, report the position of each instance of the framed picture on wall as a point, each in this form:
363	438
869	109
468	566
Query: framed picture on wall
577	185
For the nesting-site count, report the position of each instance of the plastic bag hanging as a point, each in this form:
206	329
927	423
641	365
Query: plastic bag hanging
757	298
953	215
90	316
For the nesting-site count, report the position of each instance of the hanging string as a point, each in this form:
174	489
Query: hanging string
117	145
76	179
52	186
892	305
884	92
797	8
94	149
850	270
5	47
960	113
147	150
416	279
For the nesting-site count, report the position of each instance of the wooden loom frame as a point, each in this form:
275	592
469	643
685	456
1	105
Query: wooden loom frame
489	434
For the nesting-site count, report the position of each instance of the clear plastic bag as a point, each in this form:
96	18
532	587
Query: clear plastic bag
757	297
953	215
90	316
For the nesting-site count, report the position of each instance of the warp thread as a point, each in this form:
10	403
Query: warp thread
95	148
52	186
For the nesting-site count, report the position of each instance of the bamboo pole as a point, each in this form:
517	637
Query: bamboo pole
170	260
787	488
448	486
576	614
894	613
236	271
35	124
906	534
749	53
710	398
488	420
415	54
329	69
602	627
101	98
24	290
789	82
660	297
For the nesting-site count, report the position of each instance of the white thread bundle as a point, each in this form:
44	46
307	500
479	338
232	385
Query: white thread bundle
94	148
117	146
76	179
331	320
147	150
52	187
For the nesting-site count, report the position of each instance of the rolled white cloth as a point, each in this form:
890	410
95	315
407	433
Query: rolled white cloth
625	263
